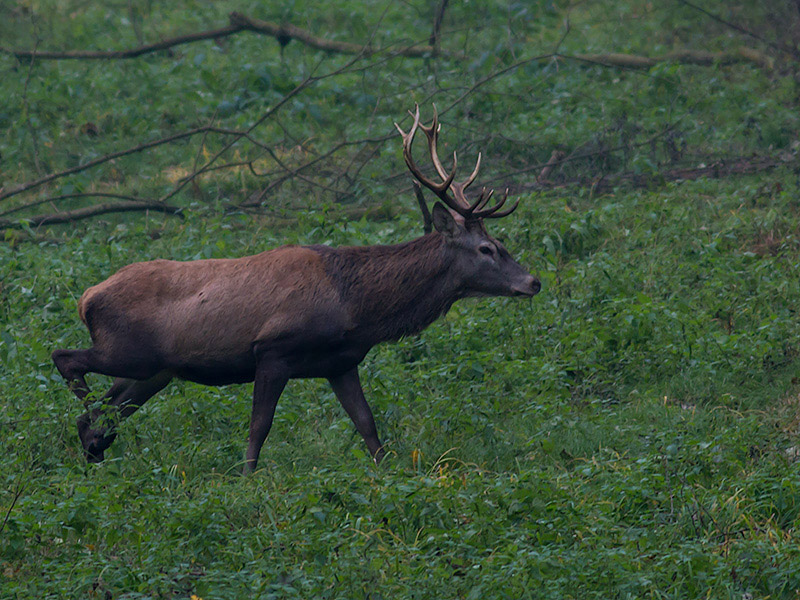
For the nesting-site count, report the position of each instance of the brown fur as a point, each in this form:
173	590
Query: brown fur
211	309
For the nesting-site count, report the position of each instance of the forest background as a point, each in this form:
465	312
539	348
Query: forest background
632	431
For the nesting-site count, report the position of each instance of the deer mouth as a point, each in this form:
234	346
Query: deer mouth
528	289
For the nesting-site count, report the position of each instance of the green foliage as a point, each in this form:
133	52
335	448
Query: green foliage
630	432
625	431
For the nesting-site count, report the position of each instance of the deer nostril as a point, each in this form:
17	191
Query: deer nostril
536	285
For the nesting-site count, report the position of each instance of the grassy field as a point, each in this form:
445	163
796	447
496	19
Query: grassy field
630	432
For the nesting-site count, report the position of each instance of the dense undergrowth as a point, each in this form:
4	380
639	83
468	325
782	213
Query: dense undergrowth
632	431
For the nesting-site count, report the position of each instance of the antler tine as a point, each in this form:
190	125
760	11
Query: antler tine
458	189
480	201
495	212
410	135
474	173
440	189
504	213
490	211
432	133
485	201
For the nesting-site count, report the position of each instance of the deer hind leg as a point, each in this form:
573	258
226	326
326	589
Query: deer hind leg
139	376
97	427
73	366
128	360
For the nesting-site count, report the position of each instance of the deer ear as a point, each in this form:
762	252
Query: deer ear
443	221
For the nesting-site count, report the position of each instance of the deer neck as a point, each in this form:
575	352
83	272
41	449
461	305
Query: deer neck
394	291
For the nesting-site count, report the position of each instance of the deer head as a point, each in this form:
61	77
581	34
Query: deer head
483	265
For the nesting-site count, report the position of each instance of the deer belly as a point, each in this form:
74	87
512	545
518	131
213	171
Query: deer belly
232	369
324	360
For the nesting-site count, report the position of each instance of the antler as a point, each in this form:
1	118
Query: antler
458	202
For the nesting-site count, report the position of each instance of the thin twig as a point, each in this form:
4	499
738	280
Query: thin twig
104	159
495	75
687	57
203	139
31	131
575	157
774	45
17	494
437	25
719	169
304	167
211	34
300	87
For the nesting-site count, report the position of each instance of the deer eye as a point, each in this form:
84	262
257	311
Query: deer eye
488	250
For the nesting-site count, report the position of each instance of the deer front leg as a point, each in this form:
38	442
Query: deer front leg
347	388
269	383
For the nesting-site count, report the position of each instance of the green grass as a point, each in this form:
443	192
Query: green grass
609	437
630	432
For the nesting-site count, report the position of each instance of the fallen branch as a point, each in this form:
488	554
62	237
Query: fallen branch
558	158
188	38
309	80
54	199
287	32
688	57
68	216
284	33
285	175
717	170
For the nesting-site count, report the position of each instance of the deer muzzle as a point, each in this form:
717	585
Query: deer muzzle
529	287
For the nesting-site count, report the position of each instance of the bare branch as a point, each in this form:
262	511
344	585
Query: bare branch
55	199
716	170
437	24
20	487
26	111
774	45
211	34
104	159
575	156
86	212
309	80
689	57
289	173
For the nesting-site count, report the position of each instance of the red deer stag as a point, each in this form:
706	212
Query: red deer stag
292	312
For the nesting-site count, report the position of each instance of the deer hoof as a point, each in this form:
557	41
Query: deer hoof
94	441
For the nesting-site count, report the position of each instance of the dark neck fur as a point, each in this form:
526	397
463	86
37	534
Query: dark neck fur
394	290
